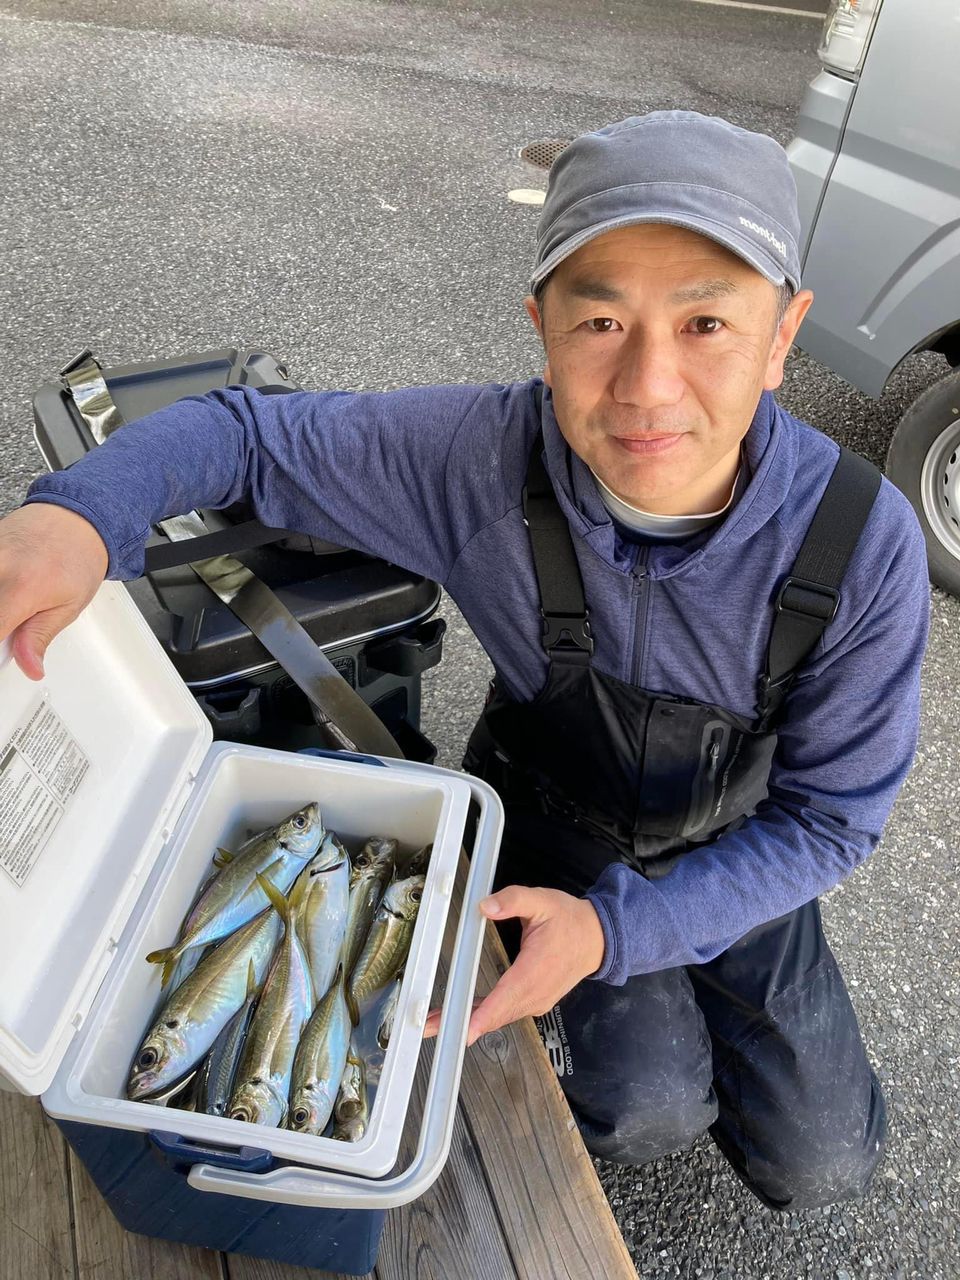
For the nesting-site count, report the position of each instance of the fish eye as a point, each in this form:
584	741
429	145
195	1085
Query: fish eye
147	1058
300	821
301	1115
416	894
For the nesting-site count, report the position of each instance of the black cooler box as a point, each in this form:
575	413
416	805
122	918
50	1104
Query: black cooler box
372	619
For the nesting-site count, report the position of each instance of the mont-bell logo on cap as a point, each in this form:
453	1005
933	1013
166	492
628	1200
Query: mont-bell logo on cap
780	247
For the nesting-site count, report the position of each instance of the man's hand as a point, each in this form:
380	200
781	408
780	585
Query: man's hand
51	563
562	943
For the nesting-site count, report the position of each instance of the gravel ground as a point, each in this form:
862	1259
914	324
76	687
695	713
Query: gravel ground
328	181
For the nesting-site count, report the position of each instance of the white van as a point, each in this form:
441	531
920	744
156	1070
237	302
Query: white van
877	165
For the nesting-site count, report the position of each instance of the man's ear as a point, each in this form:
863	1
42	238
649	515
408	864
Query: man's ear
533	311
789	325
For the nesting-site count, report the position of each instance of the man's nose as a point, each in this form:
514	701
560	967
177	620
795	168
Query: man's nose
648	372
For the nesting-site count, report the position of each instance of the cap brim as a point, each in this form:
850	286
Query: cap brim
742	247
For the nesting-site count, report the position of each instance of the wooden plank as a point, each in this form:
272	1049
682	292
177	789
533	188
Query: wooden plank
35	1240
106	1252
556	1219
454	1228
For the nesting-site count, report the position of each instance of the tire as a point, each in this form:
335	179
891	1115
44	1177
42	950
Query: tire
924	463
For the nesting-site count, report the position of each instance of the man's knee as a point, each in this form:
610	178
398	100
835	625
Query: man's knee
819	1165
650	1123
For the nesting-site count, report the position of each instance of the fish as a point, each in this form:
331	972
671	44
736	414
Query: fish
417	863
351	1110
372	869
320	1060
216	1073
195	1014
385	951
234	895
322	921
262	1083
388	1013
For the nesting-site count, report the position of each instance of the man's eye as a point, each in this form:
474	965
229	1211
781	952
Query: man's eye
602	324
705	324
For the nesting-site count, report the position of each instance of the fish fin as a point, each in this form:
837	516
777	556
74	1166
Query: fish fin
222	857
251	978
298	896
277	900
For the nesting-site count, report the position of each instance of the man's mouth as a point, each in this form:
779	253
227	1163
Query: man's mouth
650	442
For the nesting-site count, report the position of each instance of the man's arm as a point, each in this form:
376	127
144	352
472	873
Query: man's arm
365	470
845	746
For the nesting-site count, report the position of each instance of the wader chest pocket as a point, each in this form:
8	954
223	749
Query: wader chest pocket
684	756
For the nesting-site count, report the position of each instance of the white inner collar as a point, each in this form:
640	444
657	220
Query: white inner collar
668	528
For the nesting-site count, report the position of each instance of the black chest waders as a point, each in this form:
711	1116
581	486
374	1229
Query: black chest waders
760	1045
654	774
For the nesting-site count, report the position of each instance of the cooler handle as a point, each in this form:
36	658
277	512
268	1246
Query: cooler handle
322	1189
182	1153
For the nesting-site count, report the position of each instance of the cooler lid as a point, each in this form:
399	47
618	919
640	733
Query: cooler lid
96	762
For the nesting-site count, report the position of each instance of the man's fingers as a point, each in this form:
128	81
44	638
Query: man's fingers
515	901
32	638
507	1002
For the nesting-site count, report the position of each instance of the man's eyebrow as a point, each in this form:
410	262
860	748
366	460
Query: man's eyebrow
593	290
599	291
704	291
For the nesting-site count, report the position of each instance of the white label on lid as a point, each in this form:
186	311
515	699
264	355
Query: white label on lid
41	767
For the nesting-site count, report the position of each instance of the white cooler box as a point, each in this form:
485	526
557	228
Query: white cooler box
113	799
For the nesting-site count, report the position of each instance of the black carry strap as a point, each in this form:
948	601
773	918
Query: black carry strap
566	621
222	542
809	597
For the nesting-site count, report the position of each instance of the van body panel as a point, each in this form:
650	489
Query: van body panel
883	252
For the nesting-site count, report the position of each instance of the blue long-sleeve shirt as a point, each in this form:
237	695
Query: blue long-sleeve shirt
431	478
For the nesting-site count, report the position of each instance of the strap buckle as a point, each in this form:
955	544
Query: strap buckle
811	601
568	634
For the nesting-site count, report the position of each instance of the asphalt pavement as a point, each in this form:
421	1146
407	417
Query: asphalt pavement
329	181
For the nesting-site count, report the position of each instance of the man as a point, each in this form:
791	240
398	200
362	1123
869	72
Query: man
706	698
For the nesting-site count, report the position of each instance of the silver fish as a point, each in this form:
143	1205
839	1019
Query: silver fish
351	1110
385	952
321	1057
199	1009
372	868
286	1002
322	921
216	1073
388	1013
234	896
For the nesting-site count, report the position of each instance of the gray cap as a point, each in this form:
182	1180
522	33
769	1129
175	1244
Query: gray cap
681	168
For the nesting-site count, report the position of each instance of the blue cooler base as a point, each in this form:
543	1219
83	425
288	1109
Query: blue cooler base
145	1184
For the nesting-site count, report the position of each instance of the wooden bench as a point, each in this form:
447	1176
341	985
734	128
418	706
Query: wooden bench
518	1199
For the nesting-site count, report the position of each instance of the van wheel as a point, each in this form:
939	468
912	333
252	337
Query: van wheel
924	462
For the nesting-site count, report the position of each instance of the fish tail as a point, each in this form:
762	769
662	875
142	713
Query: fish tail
168	957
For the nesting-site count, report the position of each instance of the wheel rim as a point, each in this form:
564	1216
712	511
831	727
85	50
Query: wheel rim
940	488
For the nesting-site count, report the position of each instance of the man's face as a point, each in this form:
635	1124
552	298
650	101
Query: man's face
659	343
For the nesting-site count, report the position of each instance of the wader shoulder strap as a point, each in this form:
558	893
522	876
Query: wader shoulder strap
566	623
809	597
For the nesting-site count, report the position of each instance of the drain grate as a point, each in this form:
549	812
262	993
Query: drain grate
543	154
